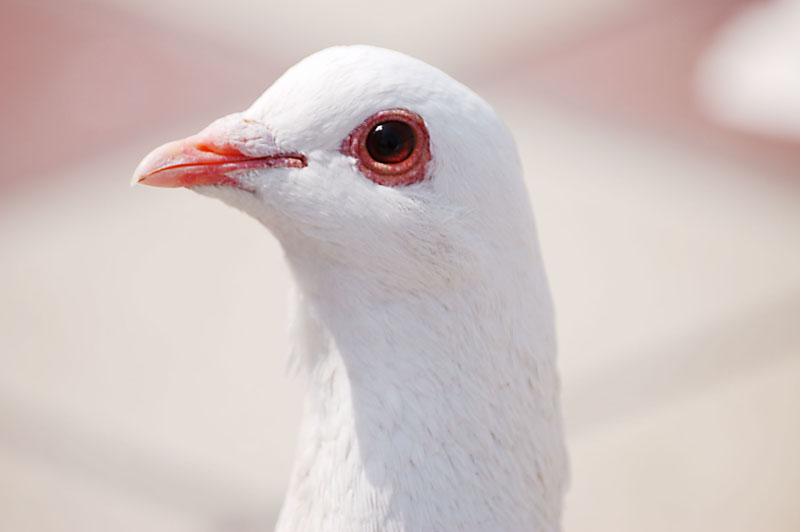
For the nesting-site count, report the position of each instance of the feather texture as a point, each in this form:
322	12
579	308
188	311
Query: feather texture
422	315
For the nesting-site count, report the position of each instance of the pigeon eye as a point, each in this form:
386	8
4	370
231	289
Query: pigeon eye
391	142
391	147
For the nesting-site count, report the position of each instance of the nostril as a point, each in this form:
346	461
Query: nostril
234	136
216	147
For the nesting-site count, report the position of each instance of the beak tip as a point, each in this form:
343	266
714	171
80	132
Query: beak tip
137	179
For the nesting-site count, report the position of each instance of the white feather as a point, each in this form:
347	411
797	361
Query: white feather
422	313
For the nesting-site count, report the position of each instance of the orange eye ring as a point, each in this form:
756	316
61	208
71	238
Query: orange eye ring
398	137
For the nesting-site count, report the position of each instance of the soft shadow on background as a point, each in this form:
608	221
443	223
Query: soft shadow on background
142	332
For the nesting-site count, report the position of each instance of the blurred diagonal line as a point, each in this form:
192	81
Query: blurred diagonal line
72	447
673	371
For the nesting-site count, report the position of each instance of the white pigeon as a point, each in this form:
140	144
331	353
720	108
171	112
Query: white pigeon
422	314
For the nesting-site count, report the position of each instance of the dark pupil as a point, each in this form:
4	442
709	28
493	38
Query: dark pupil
391	142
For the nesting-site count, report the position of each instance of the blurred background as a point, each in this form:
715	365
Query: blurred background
142	331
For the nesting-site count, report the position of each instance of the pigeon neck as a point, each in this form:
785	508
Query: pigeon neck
426	414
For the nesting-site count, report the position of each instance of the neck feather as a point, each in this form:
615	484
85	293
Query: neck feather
430	412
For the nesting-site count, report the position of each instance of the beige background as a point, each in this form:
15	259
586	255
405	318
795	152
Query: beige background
142	331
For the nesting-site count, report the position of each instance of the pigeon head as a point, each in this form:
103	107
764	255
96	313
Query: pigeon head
362	157
422	312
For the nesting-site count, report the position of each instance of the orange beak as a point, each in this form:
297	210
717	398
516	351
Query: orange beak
214	156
